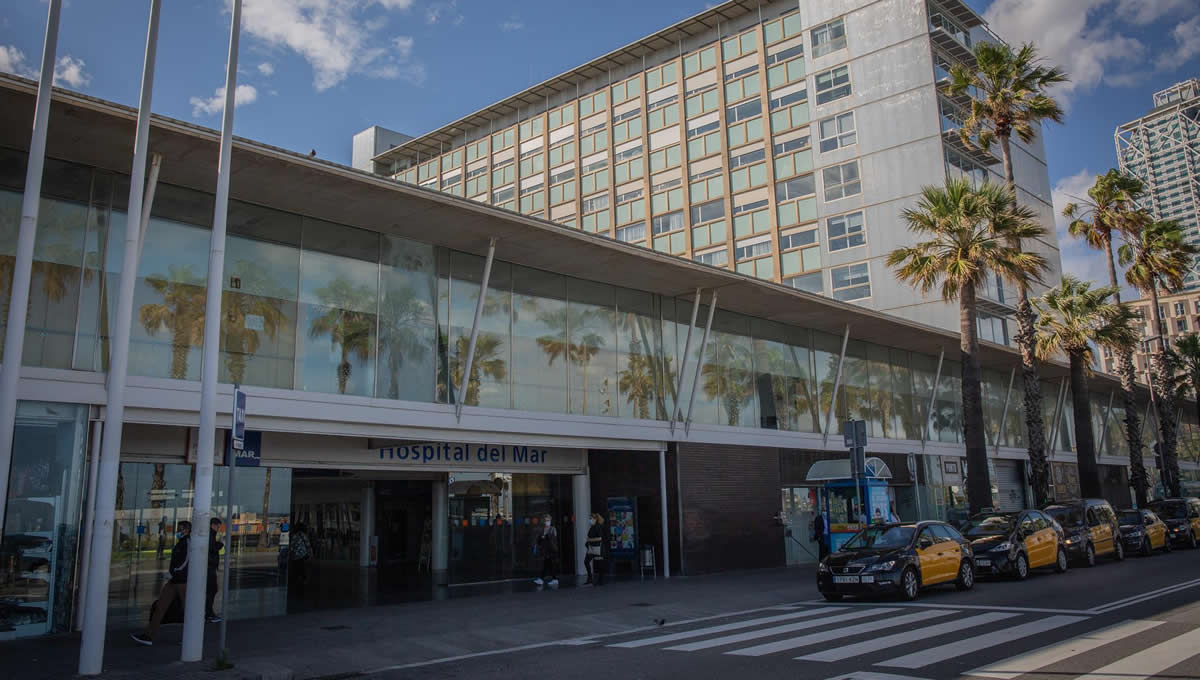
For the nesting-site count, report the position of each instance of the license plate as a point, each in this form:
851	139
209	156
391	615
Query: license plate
868	579
845	579
983	563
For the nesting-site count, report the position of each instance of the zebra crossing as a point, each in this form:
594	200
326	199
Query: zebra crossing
889	641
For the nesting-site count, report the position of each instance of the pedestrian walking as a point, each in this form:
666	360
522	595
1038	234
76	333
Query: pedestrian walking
214	561
818	533
597	549
546	547
301	550
174	589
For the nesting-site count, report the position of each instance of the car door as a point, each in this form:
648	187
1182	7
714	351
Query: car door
1100	532
927	557
1050	536
1029	538
949	552
1194	513
1156	530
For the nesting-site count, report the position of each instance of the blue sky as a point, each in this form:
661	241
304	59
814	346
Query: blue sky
314	72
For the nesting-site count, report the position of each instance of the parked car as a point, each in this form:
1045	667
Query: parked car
1182	516
1144	532
1012	543
1091	529
900	559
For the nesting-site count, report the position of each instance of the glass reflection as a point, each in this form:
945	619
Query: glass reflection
592	348
488	384
406	320
541	341
642	376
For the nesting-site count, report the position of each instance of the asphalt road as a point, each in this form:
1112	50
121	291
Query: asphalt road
1128	620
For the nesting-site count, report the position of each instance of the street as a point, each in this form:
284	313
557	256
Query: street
1135	619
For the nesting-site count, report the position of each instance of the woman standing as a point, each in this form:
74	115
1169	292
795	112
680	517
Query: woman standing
546	546
596	547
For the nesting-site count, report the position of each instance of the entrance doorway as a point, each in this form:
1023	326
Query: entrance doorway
402	547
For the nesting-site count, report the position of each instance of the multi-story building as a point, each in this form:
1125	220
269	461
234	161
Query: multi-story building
781	140
1180	313
1162	149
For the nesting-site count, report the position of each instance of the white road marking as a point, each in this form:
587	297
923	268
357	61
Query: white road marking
928	657
887	641
984	607
825	636
779	630
874	676
1040	658
1150	662
700	632
1142	597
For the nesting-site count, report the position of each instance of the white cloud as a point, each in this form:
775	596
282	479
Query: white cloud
337	37
1078	257
68	71
1144	12
511	24
266	68
403	45
244	94
443	11
1187	44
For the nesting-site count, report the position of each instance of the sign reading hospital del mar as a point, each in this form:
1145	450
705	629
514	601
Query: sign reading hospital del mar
468	456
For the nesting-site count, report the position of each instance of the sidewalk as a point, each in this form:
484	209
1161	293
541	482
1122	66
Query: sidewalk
344	642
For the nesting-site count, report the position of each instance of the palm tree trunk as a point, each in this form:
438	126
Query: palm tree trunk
266	517
1035	428
179	350
1164	402
979	485
1085	442
1133	424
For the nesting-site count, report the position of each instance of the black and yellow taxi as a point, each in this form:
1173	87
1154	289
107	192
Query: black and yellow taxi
1013	543
897	559
1090	528
1182	516
1143	532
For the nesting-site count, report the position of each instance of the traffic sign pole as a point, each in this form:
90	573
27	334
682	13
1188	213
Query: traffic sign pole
237	439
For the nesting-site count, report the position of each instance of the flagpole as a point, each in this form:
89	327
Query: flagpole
193	610
95	611
18	305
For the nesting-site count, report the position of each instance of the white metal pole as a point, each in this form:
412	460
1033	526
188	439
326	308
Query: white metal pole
465	381
712	308
148	201
837	382
193	610
95	613
687	348
89	518
1004	414
18	306
933	392
662	490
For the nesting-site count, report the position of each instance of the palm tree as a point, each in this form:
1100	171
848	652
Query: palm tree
1111	210
403	319
486	363
1187	349
727	376
1159	256
181	313
1008	90
350	331
257	298
963	249
1071	317
636	382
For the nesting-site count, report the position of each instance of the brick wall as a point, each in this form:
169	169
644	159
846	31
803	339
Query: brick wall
730	498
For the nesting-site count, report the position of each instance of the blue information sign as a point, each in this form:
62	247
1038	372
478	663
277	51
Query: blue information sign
251	453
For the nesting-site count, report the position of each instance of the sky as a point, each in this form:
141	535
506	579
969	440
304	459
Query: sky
314	72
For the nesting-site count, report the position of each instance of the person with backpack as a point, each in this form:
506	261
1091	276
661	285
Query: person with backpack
174	589
301	550
597	550
546	546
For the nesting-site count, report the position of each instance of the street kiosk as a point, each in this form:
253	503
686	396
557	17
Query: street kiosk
839	496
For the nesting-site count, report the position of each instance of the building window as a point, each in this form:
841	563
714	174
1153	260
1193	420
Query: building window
828	38
715	258
784	27
797	187
846	231
753	257
1180	309
632	234
841	181
1181	324
852	282
833	84
810	283
837	132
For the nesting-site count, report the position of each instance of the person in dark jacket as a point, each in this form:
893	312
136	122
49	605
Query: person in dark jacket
546	546
214	561
819	535
597	551
174	588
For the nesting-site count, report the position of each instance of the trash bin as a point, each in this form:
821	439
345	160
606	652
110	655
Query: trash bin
646	561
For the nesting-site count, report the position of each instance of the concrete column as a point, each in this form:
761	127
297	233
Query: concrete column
581	491
367	528
440	548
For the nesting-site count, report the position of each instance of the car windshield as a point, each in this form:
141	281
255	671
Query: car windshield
880	537
1067	516
1171	510
1131	517
990	525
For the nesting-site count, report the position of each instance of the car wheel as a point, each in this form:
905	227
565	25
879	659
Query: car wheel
1089	556
1145	547
1060	565
966	576
910	586
1022	570
833	597
1119	550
